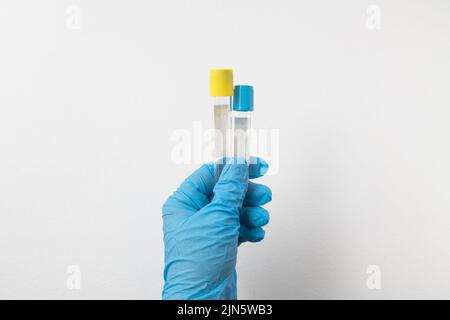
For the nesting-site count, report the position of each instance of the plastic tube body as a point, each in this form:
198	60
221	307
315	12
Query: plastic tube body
241	125
222	127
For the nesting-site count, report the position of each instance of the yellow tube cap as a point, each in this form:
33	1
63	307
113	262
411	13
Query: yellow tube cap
221	82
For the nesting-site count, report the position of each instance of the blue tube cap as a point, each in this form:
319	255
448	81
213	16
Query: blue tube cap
243	98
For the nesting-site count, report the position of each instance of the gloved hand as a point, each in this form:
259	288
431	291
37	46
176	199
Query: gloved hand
204	222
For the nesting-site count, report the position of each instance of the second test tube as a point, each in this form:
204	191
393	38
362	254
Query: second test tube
241	121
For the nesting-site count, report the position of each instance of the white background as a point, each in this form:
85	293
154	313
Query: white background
86	118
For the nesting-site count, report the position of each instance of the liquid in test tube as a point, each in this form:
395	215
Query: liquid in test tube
221	89
241	121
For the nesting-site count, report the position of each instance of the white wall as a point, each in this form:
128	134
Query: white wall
86	118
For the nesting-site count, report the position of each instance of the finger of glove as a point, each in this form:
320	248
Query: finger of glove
195	191
251	234
254	216
257	194
231	187
257	167
219	221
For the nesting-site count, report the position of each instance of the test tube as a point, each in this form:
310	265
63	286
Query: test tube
241	121
221	89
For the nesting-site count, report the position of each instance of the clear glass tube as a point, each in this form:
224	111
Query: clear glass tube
222	106
241	125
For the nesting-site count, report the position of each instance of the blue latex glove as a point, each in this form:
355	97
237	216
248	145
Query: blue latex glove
204	222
